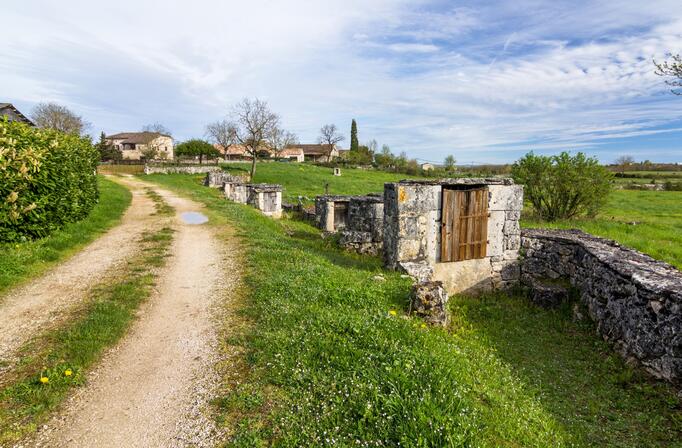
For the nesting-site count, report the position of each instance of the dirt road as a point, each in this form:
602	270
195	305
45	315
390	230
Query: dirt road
44	302
152	389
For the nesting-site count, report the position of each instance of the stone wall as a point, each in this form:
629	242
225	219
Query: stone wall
635	300
412	233
217	179
364	232
179	169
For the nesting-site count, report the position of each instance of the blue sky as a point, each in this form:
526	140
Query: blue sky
484	81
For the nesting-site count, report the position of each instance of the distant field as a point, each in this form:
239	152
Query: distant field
646	177
649	221
309	180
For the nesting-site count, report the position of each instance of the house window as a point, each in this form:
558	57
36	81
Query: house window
464	228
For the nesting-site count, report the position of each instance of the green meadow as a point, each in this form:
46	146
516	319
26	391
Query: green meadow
332	358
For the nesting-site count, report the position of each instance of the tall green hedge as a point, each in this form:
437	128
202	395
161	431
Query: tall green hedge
47	179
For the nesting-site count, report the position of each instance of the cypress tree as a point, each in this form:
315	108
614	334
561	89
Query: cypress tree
354	136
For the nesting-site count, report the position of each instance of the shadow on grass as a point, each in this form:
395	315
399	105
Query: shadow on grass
577	376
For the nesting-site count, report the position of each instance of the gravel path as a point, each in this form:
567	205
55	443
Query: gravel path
153	388
44	302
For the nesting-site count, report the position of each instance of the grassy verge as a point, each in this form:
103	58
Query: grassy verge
55	362
21	262
649	221
332	359
309	180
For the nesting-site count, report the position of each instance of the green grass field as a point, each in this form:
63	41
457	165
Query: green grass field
334	360
22	261
301	179
657	214
649	221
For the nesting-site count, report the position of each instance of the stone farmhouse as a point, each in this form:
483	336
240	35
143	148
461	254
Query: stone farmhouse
12	113
317	152
132	144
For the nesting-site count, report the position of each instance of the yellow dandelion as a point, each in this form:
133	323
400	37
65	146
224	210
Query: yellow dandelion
423	325
68	372
44	379
392	313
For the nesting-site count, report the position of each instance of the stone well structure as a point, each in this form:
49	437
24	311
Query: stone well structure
636	301
265	197
364	231
331	212
236	191
462	232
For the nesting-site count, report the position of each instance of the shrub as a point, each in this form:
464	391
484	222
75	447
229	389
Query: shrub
563	186
47	178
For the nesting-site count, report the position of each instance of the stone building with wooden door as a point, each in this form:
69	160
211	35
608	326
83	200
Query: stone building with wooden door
463	232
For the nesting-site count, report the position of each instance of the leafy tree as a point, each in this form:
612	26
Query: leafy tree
330	136
354	145
107	151
252	125
361	156
449	163
624	162
197	148
563	186
54	116
385	159
671	69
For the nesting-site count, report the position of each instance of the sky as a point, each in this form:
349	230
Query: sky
485	81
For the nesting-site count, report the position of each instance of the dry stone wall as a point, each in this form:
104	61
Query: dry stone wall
179	169
364	232
217	179
636	301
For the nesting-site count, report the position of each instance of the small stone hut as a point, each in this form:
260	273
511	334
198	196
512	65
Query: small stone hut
364	231
462	232
331	212
236	191
265	197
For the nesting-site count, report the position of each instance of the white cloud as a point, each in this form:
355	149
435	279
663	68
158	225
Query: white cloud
415	76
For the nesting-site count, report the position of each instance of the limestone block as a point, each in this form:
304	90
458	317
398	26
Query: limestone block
496	223
419	198
469	276
420	271
505	197
429	300
408	250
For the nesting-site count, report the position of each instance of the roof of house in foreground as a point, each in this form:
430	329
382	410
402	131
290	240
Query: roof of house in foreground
7	108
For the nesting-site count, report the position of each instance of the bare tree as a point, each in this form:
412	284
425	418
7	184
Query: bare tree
672	69
624	162
252	125
156	127
220	132
279	139
55	116
330	136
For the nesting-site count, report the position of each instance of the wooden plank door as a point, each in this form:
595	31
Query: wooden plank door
464	228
